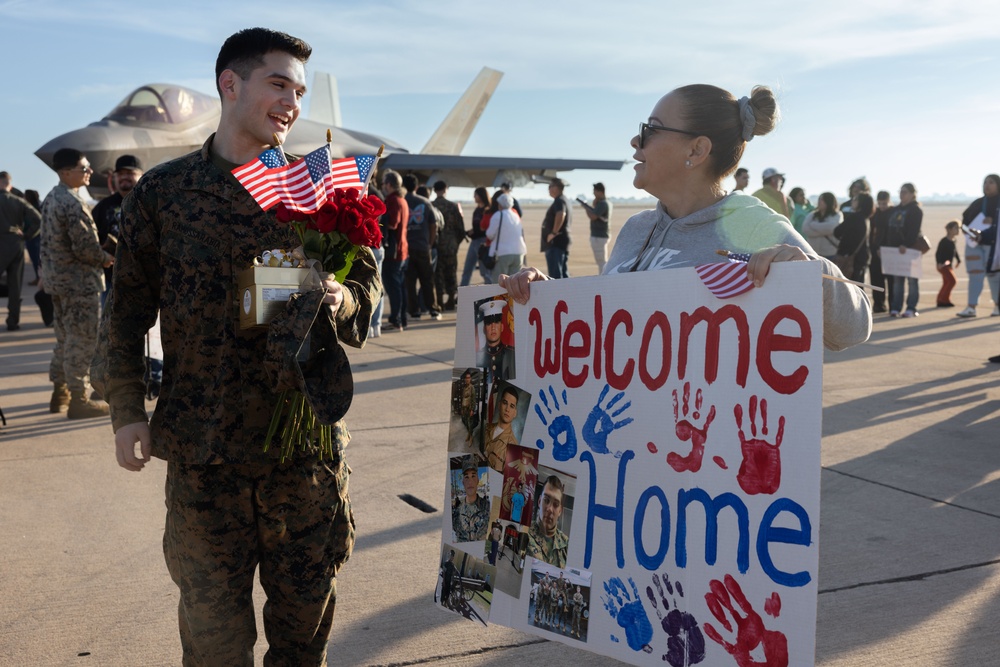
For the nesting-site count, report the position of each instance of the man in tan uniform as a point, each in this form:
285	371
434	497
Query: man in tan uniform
74	275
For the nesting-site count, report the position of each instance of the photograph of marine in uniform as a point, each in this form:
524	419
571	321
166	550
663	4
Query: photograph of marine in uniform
465	584
466	407
470	505
559	600
506	548
494	346
520	473
548	536
505	429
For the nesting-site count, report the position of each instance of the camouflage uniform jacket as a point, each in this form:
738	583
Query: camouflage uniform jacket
71	254
470	520
187	230
454	225
552	550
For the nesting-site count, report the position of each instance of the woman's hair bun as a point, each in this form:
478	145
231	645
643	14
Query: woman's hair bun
765	110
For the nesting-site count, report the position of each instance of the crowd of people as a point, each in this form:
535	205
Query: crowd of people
856	233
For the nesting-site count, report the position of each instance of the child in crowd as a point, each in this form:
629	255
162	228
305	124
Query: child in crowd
947	259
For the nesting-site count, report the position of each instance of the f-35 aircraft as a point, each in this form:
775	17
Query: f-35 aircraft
158	122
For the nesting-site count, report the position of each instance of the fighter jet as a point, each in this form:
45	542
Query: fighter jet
158	122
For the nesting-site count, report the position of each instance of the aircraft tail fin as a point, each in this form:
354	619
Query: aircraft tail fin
325	105
453	133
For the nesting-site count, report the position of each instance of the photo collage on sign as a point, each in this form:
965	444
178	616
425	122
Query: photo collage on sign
504	505
491	478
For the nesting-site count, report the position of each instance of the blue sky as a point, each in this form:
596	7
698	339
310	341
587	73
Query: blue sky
897	91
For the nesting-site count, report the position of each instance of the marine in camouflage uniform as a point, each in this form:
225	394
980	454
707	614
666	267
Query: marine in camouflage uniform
446	271
470	518
187	229
552	550
74	276
577	611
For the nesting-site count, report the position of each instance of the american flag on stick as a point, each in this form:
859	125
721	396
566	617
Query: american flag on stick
305	184
726	279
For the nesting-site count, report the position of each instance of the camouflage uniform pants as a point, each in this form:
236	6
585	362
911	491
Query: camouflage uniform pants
294	520
76	339
446	275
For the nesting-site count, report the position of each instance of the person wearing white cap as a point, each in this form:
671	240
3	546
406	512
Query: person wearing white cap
771	193
495	358
506	235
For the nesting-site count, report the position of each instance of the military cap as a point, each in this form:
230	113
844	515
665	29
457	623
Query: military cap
492	310
303	354
472	462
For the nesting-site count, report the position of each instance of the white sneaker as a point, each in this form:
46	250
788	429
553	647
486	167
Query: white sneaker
969	311
996	311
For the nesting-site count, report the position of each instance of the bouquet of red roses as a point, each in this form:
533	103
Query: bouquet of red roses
333	235
331	238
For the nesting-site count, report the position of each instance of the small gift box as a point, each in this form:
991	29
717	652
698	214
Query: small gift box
264	290
265	286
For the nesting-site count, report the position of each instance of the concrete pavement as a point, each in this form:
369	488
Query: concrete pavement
909	535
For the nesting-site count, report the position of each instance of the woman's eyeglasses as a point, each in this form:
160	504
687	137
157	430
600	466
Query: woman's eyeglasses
646	128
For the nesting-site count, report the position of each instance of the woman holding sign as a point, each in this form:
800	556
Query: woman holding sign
693	140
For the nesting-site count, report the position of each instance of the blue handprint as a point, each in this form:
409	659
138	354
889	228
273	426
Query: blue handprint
685	642
561	430
628	611
600	424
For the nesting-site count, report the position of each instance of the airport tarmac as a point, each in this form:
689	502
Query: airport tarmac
909	534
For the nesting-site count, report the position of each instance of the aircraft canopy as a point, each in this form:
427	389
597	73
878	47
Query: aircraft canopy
163	104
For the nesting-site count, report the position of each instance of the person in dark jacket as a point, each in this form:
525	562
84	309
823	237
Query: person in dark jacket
853	234
902	232
876	236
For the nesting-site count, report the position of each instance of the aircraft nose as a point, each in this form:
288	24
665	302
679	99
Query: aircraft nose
97	143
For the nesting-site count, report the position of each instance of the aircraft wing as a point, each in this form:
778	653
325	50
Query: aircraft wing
471	171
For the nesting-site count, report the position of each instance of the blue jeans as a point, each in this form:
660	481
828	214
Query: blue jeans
377	312
912	293
556	258
471	259
393	272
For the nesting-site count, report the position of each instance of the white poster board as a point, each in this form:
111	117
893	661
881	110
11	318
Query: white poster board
908	263
684	432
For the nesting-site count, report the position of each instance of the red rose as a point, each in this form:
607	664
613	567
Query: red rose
373	206
286	215
374	232
326	218
351	222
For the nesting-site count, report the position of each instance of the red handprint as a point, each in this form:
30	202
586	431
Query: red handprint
687	431
760	471
750	630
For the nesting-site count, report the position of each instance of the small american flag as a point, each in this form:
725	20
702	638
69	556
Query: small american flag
352	172
726	279
255	176
304	185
